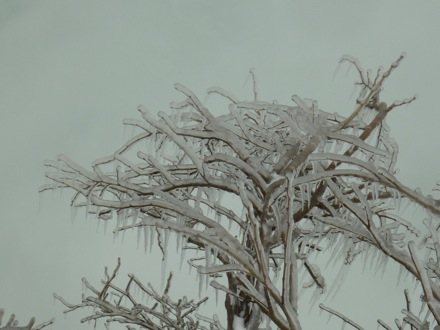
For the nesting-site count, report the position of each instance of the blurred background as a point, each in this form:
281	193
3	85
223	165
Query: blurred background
71	71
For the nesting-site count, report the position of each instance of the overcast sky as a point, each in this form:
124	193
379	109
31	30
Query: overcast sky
71	71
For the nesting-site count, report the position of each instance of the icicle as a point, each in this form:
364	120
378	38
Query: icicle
118	221
343	325
379	262
87	207
365	256
200	278
136	290
152	234
315	297
98	223
138	238
330	315
178	242
207	262
336	249
73	213
406	276
401	269
384	265
339	280
163	269
182	255
145	230
125	217
216	296
134	216
422	307
373	257
327	147
218	217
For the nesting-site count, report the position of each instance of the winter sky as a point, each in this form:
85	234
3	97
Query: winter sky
71	71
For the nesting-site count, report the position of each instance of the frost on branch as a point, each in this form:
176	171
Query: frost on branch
261	189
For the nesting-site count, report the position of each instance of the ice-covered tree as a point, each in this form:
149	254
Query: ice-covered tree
260	190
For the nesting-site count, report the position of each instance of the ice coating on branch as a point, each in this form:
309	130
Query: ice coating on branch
105	214
260	191
12	323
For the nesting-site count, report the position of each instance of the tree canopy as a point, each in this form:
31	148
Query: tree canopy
261	190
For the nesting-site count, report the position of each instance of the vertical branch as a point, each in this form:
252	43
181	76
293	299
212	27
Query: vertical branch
433	305
254	83
290	275
109	279
408	303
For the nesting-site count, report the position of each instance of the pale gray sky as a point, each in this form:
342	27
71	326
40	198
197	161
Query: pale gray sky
71	71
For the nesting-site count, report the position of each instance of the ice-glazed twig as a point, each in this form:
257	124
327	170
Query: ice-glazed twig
12	323
341	316
414	321
224	93
384	325
432	302
254	83
374	88
175	315
408	303
109	279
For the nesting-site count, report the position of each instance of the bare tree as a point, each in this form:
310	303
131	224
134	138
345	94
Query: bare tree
308	182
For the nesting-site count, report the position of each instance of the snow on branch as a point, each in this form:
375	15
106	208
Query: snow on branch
261	190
